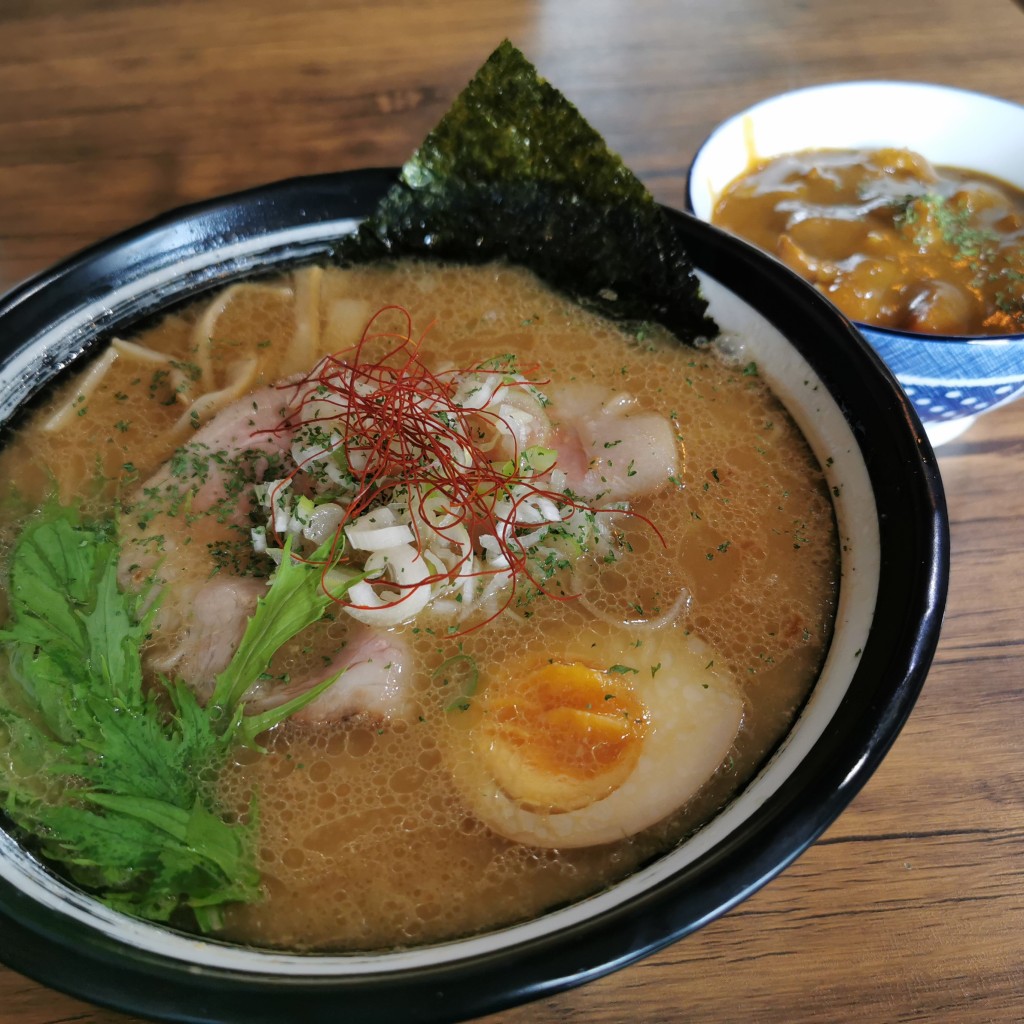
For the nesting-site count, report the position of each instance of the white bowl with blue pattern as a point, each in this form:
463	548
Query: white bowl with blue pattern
950	380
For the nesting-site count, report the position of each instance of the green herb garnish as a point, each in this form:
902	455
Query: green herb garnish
460	671
112	781
934	219
931	220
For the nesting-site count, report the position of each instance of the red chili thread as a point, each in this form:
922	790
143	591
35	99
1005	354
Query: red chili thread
399	419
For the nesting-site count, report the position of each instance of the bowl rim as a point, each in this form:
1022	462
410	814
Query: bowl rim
733	121
914	537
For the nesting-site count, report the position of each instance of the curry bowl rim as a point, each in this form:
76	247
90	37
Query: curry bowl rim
878	86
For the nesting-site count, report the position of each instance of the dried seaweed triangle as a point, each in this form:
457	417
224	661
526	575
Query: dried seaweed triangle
514	171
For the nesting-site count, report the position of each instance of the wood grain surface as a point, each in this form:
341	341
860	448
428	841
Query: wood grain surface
911	907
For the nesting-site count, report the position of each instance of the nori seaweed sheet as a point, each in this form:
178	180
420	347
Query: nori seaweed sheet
514	171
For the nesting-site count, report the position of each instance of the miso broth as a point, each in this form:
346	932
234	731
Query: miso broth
373	829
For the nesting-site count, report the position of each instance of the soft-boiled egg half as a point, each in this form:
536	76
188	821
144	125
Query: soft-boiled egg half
576	751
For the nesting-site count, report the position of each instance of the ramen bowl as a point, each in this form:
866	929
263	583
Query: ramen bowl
950	379
893	535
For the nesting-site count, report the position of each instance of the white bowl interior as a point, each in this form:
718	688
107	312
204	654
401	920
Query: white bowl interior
747	334
947	126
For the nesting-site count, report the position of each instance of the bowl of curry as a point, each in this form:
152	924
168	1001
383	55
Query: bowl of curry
903	203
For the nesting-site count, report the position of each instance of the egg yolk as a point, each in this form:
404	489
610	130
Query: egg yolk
561	736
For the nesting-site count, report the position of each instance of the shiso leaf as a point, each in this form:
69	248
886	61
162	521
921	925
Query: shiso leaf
110	779
514	171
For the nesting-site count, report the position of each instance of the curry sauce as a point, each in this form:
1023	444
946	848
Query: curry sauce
890	239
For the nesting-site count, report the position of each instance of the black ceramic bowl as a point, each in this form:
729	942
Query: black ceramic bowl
893	530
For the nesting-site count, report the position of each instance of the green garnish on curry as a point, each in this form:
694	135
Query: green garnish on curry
933	220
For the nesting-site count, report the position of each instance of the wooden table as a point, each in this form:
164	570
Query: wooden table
911	907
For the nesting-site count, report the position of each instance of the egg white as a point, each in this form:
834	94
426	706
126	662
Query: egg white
694	713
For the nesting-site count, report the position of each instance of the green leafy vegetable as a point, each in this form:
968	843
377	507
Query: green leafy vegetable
112	780
513	170
460	671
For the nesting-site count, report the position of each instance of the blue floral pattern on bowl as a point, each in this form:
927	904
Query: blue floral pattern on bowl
951	380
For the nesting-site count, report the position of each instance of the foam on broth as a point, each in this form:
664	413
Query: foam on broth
366	841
